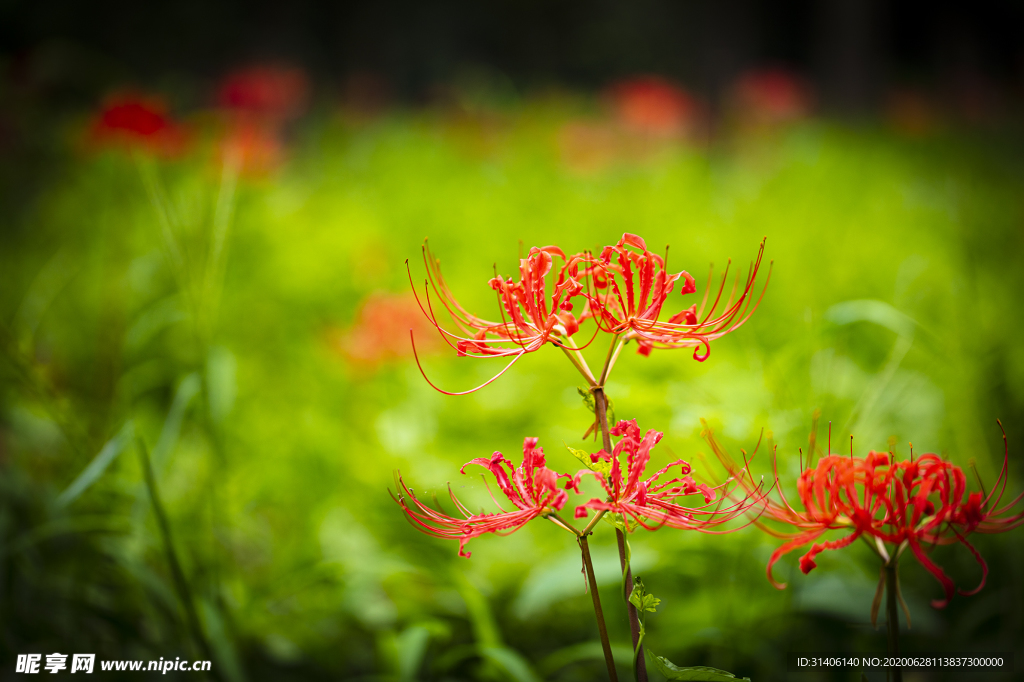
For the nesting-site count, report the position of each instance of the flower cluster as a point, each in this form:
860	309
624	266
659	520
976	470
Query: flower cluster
623	290
533	490
650	503
912	504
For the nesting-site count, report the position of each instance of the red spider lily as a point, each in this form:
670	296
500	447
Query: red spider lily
378	334
531	316
772	96
650	503
137	123
631	285
267	92
258	102
653	105
532	489
908	503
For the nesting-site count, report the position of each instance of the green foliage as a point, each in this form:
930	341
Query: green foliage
641	599
601	466
225	337
694	674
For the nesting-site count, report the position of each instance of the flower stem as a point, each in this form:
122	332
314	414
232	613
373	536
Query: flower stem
593	522
570	350
609	361
601	410
602	629
892	616
562	523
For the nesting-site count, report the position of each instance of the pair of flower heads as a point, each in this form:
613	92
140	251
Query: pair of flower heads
892	504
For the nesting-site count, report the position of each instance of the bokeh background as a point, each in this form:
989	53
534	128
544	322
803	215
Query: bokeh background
205	213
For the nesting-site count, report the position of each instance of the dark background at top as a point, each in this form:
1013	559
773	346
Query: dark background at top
852	50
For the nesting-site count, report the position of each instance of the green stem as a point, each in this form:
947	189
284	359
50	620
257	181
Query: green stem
636	654
602	629
554	518
892	615
593	522
609	361
601	410
578	361
180	583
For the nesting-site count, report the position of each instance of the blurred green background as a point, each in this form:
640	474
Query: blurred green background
256	340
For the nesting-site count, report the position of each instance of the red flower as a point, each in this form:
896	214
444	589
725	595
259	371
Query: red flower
772	96
532	489
651	104
267	92
908	504
650	503
531	316
258	102
139	123
378	334
832	500
630	286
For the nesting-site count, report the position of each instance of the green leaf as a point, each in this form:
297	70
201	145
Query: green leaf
615	522
97	466
587	651
224	649
485	628
698	673
221	369
412	647
188	388
515	667
600	466
641	598
588	398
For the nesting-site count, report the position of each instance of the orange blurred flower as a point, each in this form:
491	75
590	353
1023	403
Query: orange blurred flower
653	105
381	331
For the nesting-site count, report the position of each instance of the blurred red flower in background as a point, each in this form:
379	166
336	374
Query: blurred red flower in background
653	105
772	96
265	92
532	489
381	330
137	122
258	102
